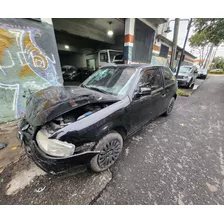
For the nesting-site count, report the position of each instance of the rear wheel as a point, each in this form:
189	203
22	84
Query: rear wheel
110	147
170	107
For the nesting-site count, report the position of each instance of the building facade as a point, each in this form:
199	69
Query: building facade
33	50
146	42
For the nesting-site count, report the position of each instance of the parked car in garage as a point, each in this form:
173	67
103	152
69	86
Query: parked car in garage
69	72
67	126
187	76
202	73
83	74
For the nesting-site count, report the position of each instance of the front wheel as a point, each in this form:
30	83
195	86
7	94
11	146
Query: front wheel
190	84
110	147
170	107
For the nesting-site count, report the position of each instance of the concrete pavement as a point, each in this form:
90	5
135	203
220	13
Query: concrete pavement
173	160
178	159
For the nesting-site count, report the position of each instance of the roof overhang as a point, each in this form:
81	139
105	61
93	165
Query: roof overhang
158	21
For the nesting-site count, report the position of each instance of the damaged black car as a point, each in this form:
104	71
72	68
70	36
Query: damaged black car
69	126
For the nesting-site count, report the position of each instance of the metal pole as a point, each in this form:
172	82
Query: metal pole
185	41
208	56
174	47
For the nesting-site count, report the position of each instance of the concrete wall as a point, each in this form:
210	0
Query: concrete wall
28	62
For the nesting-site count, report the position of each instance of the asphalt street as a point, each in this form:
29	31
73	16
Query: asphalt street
173	160
177	159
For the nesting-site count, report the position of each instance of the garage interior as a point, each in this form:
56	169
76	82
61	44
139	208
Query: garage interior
79	39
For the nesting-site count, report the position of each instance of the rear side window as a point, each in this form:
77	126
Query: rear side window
168	76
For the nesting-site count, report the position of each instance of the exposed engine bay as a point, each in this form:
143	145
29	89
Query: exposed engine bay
72	116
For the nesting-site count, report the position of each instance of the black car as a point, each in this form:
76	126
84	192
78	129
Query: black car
69	126
69	72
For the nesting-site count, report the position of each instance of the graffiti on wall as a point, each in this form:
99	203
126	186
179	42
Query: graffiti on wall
24	68
159	61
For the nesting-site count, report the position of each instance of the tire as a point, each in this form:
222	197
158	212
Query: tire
110	147
170	107
190	84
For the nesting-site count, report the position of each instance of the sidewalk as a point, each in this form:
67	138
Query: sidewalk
13	150
22	182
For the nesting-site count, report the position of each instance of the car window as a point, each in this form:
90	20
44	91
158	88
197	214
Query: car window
185	69
169	78
103	57
151	78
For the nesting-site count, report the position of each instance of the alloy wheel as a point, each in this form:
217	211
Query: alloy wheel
109	153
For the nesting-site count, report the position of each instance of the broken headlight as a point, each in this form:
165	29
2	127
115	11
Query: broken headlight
54	147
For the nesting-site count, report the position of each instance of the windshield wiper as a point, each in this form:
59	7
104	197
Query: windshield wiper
96	89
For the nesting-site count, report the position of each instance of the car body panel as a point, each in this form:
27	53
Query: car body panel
103	120
55	165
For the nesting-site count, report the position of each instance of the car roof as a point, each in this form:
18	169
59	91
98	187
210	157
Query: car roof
139	66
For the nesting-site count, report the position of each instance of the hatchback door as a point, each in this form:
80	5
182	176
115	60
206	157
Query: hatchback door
170	88
145	108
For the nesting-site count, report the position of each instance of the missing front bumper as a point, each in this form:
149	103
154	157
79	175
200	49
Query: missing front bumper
54	165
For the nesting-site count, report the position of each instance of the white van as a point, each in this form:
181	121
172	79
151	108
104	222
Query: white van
104	58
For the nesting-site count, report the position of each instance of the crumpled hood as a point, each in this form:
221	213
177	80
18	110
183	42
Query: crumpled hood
49	103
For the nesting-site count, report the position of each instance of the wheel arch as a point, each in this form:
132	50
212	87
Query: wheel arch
121	130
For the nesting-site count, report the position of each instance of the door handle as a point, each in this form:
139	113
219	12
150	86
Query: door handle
163	95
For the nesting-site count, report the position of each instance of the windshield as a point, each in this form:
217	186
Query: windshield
118	57
113	54
115	81
185	69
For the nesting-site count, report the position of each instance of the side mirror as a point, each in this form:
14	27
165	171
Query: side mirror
143	91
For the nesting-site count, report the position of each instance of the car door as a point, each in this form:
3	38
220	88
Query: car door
170	88
145	108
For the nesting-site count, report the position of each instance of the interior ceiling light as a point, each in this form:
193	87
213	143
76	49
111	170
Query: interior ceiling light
66	47
110	32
